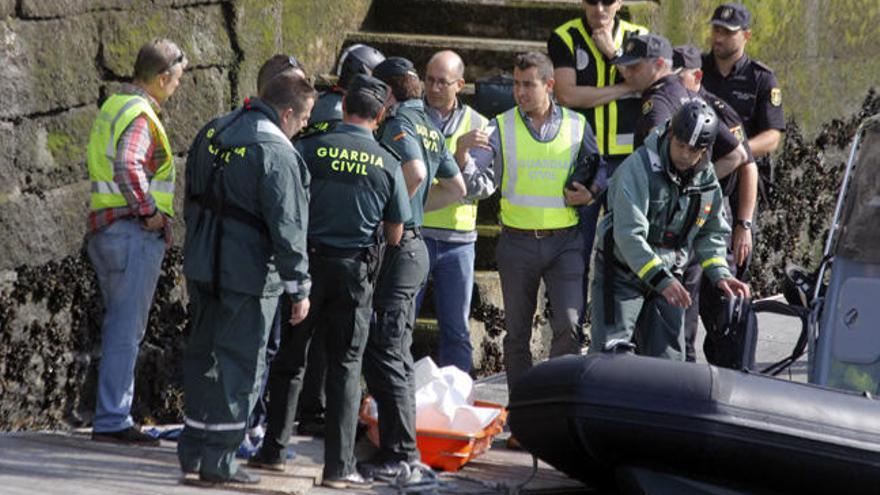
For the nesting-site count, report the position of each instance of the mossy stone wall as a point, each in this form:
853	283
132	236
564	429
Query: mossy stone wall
60	59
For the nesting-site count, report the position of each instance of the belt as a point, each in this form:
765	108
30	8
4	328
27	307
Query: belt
412	233
326	251
538	233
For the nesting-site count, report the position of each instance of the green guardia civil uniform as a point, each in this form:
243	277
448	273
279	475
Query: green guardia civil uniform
246	210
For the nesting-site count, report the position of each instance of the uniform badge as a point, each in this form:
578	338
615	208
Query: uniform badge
630	46
647	106
726	13
582	60
776	97
738	133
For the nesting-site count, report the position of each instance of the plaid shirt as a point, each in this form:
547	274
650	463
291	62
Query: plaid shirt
138	156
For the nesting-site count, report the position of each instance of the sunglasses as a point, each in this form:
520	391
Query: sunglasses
603	2
177	60
294	62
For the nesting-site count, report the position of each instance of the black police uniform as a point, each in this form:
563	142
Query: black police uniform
710	296
356	183
752	90
660	102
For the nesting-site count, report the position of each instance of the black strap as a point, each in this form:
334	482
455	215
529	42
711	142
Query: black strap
218	204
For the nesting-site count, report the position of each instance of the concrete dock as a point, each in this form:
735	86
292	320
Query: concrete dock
69	463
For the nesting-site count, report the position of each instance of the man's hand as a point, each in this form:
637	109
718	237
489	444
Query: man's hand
299	311
156	222
604	40
742	244
733	287
577	194
476	138
676	295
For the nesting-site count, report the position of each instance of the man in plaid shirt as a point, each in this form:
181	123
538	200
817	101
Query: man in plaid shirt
131	170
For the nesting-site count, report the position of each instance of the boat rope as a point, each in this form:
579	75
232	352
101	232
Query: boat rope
498	487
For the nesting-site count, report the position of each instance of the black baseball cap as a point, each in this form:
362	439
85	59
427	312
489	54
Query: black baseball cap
394	66
687	57
636	48
370	86
732	16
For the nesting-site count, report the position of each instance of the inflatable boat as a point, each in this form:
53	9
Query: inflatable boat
636	424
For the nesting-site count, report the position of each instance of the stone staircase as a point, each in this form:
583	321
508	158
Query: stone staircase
487	34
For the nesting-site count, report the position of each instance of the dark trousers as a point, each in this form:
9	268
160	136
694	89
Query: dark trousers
694	282
388	361
259	414
340	309
224	358
523	262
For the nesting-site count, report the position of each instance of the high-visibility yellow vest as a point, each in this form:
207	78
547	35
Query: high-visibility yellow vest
115	116
461	215
535	173
614	129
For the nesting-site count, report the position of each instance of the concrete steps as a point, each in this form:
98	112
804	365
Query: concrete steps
484	57
509	19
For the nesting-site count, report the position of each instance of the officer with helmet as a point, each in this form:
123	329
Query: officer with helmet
354	60
664	205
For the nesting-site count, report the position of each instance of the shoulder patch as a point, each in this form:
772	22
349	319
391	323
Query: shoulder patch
647	106
399	136
776	97
762	65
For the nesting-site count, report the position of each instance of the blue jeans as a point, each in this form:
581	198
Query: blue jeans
452	272
128	260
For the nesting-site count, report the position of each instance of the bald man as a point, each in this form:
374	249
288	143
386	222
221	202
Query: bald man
450	232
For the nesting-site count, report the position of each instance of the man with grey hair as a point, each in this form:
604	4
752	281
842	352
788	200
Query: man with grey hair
546	163
646	62
450	232
131	168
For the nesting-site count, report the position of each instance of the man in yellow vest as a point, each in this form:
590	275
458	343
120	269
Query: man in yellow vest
544	157
131	169
587	81
450	233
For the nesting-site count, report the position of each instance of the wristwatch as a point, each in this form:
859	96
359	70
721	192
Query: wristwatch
746	224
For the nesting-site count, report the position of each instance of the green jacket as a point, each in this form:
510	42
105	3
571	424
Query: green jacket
658	220
262	243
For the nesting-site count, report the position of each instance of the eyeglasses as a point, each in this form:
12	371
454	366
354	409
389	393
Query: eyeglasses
442	83
294	62
179	59
606	3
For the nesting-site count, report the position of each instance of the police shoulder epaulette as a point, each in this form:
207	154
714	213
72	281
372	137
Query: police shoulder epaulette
390	151
762	65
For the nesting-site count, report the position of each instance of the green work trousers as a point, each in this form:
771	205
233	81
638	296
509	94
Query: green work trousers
641	316
224	356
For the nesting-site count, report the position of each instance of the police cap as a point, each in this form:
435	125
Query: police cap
394	66
369	86
732	16
636	48
686	57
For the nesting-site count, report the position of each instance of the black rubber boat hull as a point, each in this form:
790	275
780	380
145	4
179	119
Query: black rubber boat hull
589	416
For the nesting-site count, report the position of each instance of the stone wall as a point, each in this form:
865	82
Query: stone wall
59	60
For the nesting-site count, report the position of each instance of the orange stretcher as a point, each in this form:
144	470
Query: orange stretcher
445	449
